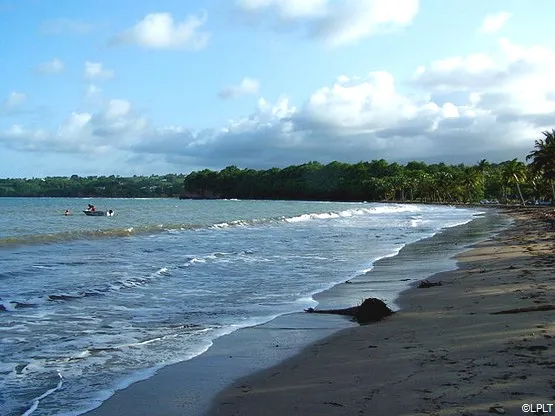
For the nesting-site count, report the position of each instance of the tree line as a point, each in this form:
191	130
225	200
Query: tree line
153	186
376	180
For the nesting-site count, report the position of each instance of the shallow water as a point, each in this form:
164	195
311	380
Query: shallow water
89	304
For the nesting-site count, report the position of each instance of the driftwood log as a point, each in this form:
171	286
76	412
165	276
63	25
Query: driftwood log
371	310
425	284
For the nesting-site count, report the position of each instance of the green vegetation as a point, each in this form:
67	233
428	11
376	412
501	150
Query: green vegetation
543	160
95	186
511	181
377	180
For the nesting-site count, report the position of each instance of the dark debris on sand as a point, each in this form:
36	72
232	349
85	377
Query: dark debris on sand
425	284
371	310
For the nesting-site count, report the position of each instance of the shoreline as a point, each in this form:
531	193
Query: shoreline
190	386
444	353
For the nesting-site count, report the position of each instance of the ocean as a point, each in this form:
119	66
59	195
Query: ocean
88	305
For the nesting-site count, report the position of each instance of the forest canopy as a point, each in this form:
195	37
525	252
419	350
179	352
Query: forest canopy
377	180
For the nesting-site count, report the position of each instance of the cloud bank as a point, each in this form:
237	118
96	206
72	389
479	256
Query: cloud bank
458	109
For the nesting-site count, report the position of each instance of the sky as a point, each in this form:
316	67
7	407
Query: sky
171	86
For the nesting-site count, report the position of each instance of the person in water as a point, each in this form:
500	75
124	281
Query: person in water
67	212
110	213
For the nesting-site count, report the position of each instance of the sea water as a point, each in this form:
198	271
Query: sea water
89	304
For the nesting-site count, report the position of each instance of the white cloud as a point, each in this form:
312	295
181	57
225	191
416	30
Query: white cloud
114	127
462	109
248	86
55	66
160	31
493	23
15	99
117	109
96	70
337	23
513	81
66	26
21	138
74	125
92	91
286	9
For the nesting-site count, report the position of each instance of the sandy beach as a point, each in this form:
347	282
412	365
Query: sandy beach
447	352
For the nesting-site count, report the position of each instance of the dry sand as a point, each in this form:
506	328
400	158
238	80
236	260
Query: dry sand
444	353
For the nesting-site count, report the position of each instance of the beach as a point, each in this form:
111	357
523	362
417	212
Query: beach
446	352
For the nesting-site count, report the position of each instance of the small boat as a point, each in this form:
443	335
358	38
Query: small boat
94	213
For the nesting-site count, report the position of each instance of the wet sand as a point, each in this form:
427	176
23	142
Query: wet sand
446	352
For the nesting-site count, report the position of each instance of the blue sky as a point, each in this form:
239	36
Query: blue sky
122	87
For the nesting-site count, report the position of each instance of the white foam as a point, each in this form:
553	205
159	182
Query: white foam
385	209
233	223
35	402
195	260
353	212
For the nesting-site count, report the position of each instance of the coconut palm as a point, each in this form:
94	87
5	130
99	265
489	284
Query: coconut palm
544	159
472	183
514	173
443	186
483	166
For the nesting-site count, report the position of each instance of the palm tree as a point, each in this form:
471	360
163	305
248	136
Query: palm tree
399	183
472	181
544	159
442	184
483	166
514	173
